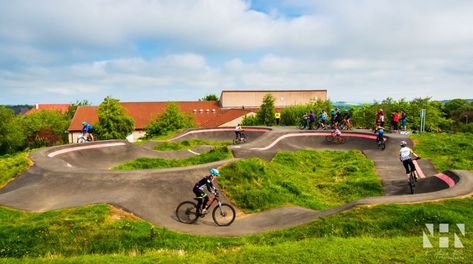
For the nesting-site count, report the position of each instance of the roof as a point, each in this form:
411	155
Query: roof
207	113
269	91
58	107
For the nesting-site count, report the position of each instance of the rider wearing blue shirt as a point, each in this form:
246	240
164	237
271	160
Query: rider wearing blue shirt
87	130
380	137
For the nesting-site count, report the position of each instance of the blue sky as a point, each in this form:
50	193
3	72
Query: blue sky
60	51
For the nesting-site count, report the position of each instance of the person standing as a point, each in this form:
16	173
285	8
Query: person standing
395	121
311	120
277	116
403	120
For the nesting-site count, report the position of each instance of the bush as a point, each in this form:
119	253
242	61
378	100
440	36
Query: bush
171	120
12	136
266	112
114	122
45	128
250	120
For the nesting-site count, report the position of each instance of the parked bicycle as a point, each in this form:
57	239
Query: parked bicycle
223	214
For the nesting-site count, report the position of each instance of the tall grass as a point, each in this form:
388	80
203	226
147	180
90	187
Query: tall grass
216	154
12	166
308	178
446	151
375	234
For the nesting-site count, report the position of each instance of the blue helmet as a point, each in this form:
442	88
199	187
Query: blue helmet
214	172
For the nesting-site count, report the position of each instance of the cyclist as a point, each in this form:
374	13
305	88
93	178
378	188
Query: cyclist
380	134
238	130
87	131
198	190
405	157
346	119
336	132
323	118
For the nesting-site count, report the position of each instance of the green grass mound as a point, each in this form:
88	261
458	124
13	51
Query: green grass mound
216	154
12	166
446	151
94	234
308	178
189	144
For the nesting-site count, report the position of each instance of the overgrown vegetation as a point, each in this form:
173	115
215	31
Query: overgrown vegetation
308	178
189	144
12	166
216	154
171	120
446	151
210	97
265	114
386	233
114	121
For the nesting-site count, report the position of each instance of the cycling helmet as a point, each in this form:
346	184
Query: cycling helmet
403	143
84	123
214	172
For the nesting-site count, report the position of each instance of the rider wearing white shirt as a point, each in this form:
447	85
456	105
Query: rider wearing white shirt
405	157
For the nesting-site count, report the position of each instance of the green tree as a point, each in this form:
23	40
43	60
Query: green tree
114	121
71	110
45	128
210	97
12	137
266	112
171	120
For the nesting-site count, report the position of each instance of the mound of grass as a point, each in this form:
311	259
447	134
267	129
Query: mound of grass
378	234
446	151
189	144
12	166
308	178
216	154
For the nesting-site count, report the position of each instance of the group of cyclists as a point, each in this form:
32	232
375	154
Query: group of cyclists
337	120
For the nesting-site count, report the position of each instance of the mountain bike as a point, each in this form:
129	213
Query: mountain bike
303	124
413	179
223	214
381	144
82	138
335	139
241	139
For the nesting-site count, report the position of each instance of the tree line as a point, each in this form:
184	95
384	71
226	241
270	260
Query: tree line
452	115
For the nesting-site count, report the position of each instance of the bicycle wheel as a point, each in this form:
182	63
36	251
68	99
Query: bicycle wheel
186	212
329	138
80	140
383	145
224	215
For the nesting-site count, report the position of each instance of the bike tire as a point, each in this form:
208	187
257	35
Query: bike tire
80	140
329	138
383	146
301	126
224	215
186	212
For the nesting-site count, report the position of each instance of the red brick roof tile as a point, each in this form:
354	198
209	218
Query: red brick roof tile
59	107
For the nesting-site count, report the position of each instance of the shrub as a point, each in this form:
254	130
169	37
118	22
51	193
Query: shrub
114	122
171	120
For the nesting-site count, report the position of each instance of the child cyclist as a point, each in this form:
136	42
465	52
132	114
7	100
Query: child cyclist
202	197
380	134
336	132
405	157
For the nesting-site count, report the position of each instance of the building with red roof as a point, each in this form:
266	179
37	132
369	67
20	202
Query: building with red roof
57	107
206	114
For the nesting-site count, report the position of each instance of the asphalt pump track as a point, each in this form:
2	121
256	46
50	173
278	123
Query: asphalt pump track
76	175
